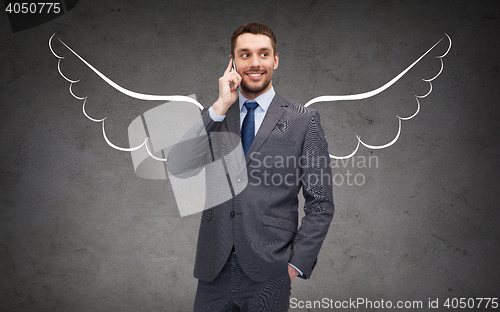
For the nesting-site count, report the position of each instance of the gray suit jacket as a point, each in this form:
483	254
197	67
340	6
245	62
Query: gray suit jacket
289	152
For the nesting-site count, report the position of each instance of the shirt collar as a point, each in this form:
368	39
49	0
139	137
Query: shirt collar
264	100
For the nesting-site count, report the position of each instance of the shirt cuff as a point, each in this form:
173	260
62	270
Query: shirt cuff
215	117
300	272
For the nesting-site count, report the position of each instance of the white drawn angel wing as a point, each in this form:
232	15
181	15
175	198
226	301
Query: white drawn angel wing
365	95
136	95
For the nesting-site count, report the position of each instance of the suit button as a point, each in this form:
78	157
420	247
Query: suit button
232	214
239	179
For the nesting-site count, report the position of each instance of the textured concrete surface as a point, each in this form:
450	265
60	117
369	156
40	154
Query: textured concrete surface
80	231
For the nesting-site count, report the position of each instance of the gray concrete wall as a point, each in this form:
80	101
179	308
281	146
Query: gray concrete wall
80	231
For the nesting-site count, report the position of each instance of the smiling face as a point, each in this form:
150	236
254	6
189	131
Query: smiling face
255	62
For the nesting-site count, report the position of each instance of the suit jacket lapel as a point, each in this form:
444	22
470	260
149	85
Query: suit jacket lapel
273	115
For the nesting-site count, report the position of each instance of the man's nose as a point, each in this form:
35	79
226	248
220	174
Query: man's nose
255	61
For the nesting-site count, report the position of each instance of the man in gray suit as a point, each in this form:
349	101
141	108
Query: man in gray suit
250	247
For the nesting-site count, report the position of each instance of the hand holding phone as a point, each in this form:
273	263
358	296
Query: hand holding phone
228	85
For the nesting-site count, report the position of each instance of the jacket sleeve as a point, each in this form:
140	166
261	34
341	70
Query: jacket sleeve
194	150
317	190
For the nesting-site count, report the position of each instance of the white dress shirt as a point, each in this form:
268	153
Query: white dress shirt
264	100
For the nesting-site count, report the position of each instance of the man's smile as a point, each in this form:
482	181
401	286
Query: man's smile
255	75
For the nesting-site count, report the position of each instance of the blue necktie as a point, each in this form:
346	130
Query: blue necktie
248	127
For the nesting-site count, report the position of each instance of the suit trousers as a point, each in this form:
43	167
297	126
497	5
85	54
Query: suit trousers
233	291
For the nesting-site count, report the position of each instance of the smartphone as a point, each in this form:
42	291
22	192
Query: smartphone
234	64
234	68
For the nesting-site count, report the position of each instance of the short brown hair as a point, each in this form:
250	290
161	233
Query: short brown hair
256	29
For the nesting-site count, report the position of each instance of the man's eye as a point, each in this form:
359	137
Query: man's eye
245	55
264	54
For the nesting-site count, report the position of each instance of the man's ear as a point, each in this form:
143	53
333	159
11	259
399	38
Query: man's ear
276	61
